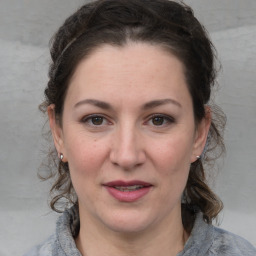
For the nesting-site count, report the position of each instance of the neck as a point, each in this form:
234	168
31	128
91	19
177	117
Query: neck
166	238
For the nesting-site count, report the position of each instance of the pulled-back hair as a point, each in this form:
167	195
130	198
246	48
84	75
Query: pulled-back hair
163	23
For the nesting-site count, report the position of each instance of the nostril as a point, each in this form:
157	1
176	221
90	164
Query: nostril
127	149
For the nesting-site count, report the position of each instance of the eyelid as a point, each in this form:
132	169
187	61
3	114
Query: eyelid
86	118
167	118
106	120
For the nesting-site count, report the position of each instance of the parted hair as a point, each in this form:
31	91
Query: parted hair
163	23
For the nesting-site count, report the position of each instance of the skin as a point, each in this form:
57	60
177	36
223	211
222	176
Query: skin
125	142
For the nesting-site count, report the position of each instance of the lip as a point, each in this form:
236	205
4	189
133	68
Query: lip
127	183
127	196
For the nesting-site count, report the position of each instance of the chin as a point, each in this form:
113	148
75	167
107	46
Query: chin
127	223
127	228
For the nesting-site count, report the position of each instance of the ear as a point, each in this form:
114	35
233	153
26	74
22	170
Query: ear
56	130
201	134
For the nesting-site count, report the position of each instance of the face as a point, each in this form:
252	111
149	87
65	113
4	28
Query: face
129	136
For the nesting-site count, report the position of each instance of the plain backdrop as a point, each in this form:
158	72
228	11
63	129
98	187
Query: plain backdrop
25	29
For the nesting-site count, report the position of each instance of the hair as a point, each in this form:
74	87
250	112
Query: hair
163	23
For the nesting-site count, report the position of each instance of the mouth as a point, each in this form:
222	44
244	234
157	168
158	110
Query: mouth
128	191
127	186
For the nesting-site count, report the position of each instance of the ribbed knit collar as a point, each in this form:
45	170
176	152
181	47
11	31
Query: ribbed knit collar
68	227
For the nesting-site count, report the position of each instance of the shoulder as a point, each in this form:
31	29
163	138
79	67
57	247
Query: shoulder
208	240
43	249
62	242
228	244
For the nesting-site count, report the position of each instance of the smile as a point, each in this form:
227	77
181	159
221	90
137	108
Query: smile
129	188
128	191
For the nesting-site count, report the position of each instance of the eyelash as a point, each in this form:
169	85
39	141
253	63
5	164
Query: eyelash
166	120
88	120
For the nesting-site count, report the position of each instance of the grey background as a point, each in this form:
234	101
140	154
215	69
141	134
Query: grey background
25	29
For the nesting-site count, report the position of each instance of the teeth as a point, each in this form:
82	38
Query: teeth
129	188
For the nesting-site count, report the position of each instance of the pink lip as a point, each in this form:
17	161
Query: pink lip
127	183
127	196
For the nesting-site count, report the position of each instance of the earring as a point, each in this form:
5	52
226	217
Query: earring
198	157
61	156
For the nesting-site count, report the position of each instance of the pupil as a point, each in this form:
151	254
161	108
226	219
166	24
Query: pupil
158	120
97	120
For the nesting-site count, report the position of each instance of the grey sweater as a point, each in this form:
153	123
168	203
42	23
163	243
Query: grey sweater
205	240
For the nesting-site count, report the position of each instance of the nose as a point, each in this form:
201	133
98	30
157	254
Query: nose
127	150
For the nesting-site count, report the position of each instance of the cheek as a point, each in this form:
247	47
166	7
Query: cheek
172	154
85	156
86	159
172	162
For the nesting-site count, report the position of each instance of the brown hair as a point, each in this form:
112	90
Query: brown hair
164	23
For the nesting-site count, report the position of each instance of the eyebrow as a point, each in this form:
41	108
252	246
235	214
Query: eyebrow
156	103
97	103
146	106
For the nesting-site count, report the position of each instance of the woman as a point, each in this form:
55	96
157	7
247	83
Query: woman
128	106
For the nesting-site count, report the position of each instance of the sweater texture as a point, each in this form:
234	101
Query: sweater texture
204	240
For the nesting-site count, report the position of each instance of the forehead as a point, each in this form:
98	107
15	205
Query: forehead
134	69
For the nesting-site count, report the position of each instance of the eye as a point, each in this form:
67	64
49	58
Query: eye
161	120
95	120
158	120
